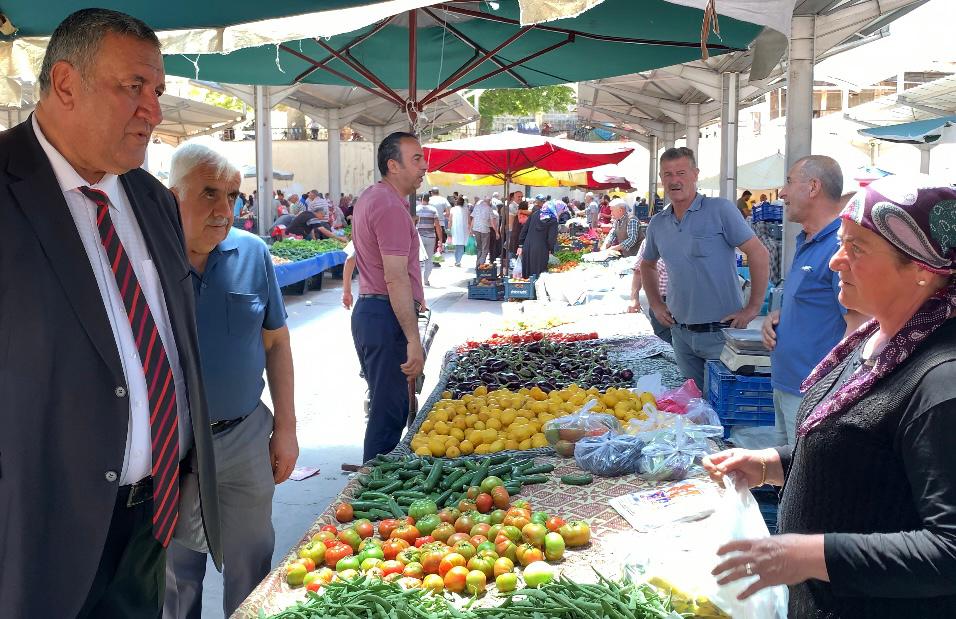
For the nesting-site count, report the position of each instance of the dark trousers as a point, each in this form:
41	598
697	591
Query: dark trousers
382	348
130	579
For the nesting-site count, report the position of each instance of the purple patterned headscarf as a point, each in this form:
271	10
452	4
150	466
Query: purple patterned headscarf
918	218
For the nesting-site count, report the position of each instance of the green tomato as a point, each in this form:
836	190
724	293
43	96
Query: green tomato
538	573
428	523
422	507
348	563
553	546
370	562
490	483
372	552
506	582
540	517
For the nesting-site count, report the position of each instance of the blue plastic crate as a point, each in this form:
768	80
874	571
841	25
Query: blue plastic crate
767	212
489	272
738	399
486	293
520	290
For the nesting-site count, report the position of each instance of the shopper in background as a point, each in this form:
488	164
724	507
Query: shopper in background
460	231
385	318
743	204
659	329
811	320
697	236
240	317
592	210
539	235
868	505
482	227
624	237
429	228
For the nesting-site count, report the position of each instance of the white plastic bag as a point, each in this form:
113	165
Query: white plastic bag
738	517
516	269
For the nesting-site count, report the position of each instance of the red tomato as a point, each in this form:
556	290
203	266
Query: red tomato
472	492
364	528
414	570
406	532
443	531
457	537
385	527
330	528
449	515
431	561
307	562
528	554
392	567
334	553
464	524
554	523
480	529
326	537
392	547
421	541
477	540
500	496
455	578
344	513
465	506
484	502
452	559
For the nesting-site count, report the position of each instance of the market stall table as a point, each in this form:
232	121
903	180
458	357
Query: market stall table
293	272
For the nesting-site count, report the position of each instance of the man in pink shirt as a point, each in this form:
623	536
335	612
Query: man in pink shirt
385	319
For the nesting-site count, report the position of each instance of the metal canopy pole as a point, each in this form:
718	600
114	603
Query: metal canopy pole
924	155
799	115
693	126
377	137
334	155
263	111
729	106
652	173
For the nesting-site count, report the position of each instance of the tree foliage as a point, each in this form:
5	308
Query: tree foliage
525	101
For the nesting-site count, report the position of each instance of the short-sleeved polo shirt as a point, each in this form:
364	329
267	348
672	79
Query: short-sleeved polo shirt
237	296
811	317
701	261
382	226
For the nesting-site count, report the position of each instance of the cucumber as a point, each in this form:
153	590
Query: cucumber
433	476
527	480
539	469
513	487
358	515
499	459
375	484
365	506
581	479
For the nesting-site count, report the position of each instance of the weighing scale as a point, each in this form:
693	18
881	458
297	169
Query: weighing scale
744	352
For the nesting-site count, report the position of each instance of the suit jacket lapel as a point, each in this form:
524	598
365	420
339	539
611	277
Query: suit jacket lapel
41	201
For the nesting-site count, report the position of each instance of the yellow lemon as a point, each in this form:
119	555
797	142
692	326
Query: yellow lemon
426	427
511	444
441	427
479	425
494	423
423	451
538	440
497	446
452	452
489	435
460	423
481	390
507	417
466	448
457	433
525	444
481	449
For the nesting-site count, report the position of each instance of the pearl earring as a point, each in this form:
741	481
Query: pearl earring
921	282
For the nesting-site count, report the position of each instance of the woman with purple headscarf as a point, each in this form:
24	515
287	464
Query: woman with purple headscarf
868	508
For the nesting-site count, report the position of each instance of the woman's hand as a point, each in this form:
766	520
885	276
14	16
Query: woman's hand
755	467
776	560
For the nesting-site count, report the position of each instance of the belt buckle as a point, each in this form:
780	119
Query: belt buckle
137	489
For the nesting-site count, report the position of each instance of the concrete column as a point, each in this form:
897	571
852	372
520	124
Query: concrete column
335	155
845	100
652	172
693	126
377	137
263	111
799	115
924	153
729	111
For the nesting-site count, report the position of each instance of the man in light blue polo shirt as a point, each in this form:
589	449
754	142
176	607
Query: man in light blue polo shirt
240	320
811	320
696	237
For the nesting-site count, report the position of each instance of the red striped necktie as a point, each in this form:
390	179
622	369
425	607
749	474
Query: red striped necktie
161	389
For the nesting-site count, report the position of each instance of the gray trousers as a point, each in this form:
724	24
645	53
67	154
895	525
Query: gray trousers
430	241
483	243
692	349
246	486
786	405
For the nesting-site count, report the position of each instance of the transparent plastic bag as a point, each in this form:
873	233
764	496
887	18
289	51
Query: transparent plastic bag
562	433
700	420
609	455
516	271
676	400
671	454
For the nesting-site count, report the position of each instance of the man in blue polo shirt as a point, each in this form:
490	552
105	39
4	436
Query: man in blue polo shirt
696	237
811	320
242	332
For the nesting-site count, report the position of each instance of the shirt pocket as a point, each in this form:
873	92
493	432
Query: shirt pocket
705	245
244	314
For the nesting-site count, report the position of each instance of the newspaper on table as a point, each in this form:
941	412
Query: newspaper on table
681	501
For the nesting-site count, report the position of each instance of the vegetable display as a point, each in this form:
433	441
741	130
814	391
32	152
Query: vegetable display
296	250
549	365
420	487
526	337
486	422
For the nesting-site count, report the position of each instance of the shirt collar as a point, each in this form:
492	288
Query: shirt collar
829	230
230	243
67	176
694	206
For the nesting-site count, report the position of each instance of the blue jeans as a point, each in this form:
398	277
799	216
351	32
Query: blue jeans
382	349
459	252
786	404
692	349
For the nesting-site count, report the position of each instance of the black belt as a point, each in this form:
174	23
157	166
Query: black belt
222	426
384	297
707	327
138	493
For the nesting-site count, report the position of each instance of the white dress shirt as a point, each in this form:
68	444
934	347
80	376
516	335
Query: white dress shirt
137	462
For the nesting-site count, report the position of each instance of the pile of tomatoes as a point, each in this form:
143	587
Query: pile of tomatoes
456	550
527	337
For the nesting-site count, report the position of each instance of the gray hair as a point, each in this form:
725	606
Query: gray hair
191	155
672	154
826	170
78	38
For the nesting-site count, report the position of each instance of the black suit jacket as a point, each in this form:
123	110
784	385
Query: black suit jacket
62	423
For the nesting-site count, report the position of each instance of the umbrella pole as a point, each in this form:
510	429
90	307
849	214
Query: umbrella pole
506	229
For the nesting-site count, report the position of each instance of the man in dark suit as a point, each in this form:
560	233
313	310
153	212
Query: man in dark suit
103	414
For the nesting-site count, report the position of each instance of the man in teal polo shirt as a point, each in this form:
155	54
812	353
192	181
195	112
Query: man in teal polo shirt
696	237
240	319
811	320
